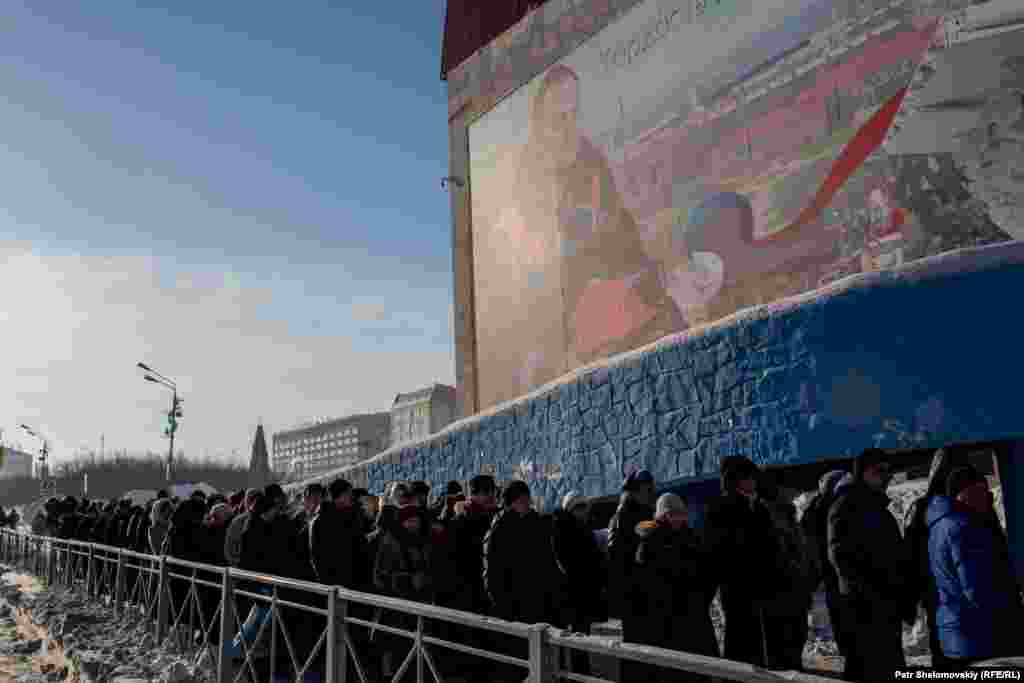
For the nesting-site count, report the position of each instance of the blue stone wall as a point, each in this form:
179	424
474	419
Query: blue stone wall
919	357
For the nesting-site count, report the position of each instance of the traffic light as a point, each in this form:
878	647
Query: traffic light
172	417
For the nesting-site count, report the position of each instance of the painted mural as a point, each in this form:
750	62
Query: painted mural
691	160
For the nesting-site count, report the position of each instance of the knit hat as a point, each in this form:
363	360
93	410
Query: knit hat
736	468
636	479
339	487
870	457
407	512
454	488
573	499
274	492
482	485
962	478
516	490
669	502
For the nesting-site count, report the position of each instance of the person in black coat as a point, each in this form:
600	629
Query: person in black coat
677	590
520	574
338	550
337	546
467	531
67	521
312	496
915	526
867	550
183	542
268	548
582	565
738	531
307	630
636	505
814	523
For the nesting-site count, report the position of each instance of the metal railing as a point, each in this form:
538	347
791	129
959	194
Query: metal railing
196	608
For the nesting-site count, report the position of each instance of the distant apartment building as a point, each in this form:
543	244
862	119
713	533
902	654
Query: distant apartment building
15	463
421	413
325	445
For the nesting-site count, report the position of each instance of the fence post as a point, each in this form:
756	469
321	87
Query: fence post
119	582
337	650
225	670
69	567
162	606
90	577
542	667
51	574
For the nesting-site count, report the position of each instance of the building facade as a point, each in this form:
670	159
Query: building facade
326	445
419	414
15	463
725	230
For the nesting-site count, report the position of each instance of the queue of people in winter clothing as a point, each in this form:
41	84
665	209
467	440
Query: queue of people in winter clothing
491	553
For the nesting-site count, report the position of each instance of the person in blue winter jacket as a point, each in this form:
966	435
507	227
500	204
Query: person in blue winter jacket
979	601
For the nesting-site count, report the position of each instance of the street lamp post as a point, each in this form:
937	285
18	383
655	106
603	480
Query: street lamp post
44	453
172	415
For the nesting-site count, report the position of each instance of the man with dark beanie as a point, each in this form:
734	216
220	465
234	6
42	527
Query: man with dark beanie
867	551
421	490
978	594
738	531
467	532
336	542
338	549
520	572
635	506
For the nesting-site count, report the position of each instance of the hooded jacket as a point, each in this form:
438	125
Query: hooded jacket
866	548
183	538
677	590
738	531
160	524
580	562
402	567
519	568
814	524
915	526
466	532
233	538
978	598
337	546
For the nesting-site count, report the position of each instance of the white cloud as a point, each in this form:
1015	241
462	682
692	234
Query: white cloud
73	329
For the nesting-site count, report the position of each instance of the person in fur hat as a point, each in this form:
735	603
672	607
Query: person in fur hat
738	531
677	594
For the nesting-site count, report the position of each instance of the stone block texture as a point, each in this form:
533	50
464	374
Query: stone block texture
925	355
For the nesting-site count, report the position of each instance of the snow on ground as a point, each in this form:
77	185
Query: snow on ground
97	644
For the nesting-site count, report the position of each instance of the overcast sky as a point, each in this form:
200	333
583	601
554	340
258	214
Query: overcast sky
243	195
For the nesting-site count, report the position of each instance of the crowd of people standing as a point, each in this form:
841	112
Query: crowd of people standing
491	553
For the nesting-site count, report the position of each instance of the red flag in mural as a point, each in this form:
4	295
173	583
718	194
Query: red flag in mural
857	150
